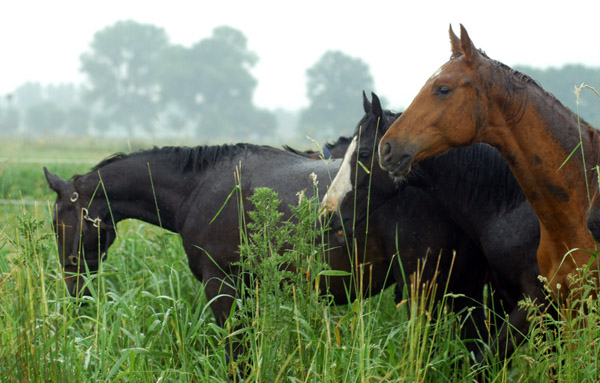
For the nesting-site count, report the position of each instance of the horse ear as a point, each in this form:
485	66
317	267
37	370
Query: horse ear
455	43
376	105
56	183
366	103
466	45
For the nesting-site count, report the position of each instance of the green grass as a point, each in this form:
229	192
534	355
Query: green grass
148	319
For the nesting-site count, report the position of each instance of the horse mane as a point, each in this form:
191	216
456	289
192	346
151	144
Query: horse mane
186	159
518	81
478	174
343	140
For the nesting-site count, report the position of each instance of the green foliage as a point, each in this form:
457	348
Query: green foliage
334	86
121	70
148	320
212	84
278	268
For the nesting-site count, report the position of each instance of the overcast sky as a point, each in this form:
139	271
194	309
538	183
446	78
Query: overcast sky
403	42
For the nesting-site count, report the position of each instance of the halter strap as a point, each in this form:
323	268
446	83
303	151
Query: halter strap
96	222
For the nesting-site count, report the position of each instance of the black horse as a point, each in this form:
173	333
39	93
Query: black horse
473	186
185	190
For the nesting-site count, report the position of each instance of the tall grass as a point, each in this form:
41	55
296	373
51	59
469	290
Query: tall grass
147	319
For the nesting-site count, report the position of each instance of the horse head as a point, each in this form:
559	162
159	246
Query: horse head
83	233
371	185
446	113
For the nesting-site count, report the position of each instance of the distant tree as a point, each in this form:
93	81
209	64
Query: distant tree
9	120
561	82
334	89
77	120
120	68
44	118
27	95
211	82
65	96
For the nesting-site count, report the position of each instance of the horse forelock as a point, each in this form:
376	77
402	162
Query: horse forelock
371	121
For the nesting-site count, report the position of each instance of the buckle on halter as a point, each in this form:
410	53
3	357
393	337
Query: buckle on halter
74	197
74	259
95	221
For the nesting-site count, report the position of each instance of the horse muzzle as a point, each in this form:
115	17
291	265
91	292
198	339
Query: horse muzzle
395	158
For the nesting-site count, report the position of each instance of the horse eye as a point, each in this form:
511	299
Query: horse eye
442	90
364	155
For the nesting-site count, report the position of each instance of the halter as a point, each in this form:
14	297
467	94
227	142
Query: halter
96	222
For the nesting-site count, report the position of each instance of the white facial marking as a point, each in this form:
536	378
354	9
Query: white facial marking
342	183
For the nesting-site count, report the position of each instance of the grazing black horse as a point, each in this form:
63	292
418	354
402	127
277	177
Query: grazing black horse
185	190
477	190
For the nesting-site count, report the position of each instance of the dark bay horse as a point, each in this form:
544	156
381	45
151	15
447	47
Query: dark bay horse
475	188
393	220
185	190
472	98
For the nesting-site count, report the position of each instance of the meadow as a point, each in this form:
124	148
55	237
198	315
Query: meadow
147	319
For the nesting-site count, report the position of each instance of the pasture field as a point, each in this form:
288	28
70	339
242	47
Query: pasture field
148	320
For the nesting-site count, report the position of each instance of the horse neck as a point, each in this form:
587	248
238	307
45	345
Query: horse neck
438	177
133	193
535	148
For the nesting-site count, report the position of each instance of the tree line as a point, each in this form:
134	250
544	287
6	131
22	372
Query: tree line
140	84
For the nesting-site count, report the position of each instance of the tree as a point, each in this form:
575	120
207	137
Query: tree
120	67
45	118
77	120
334	89
212	83
9	120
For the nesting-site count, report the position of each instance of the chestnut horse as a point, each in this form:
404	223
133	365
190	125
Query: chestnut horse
472	186
473	98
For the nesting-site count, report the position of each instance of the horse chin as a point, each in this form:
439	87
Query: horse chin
399	180
400	172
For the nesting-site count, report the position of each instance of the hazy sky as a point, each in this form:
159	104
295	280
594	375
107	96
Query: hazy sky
403	42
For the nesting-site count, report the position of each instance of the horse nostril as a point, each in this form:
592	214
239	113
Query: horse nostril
385	149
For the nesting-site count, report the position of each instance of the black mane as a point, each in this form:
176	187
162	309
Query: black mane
343	140
186	159
477	173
